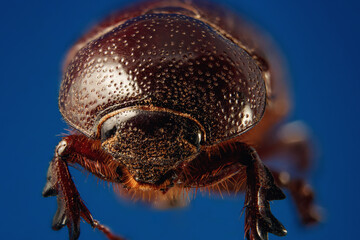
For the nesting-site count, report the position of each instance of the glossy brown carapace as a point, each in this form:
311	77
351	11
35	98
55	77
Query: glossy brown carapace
169	96
167	61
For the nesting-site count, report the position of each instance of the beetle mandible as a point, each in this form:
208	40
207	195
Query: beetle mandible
168	96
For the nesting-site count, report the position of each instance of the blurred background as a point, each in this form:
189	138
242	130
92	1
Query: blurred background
320	41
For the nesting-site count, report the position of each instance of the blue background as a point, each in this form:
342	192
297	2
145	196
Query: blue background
320	40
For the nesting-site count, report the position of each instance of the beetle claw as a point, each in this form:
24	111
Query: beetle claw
68	213
258	217
50	189
74	230
260	221
60	219
273	192
276	227
70	205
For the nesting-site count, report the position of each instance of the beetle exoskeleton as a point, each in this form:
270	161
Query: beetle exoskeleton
167	96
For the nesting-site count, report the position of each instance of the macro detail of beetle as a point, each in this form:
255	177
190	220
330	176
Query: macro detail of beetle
169	96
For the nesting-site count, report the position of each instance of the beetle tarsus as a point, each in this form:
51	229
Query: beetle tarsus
259	219
261	188
70	205
106	231
60	219
74	230
50	188
293	140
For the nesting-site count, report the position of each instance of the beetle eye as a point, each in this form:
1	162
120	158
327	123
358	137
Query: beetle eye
108	129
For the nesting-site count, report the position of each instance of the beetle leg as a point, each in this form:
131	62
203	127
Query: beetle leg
302	194
260	189
292	140
70	205
238	161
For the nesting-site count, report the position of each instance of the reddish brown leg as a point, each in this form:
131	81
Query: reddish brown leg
302	194
292	140
260	189
209	169
59	183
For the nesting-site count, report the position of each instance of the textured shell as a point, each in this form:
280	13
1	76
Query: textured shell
169	61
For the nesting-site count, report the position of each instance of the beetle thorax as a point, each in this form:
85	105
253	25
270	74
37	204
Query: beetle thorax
168	61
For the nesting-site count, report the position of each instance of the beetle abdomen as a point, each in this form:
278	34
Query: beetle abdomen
170	61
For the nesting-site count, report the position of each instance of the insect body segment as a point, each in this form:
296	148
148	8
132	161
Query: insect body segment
167	61
170	96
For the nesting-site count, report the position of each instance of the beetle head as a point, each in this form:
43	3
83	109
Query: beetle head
150	142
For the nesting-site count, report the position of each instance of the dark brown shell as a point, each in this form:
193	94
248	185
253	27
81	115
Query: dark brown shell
170	61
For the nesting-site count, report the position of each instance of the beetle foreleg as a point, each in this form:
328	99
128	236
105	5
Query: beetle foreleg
240	162
292	140
260	189
70	205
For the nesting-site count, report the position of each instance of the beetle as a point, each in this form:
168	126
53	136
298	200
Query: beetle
169	96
